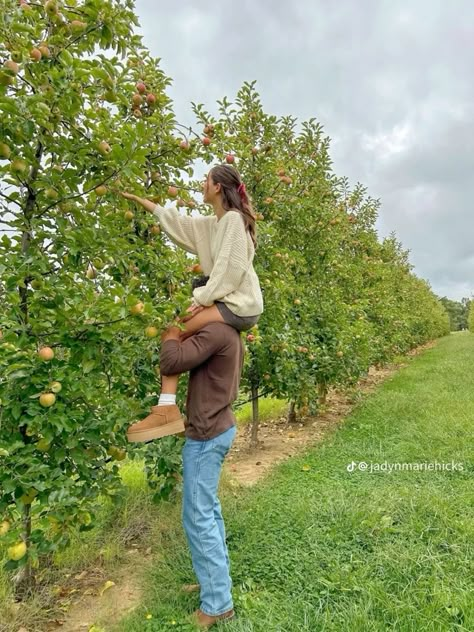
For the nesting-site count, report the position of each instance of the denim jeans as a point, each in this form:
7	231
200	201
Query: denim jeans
203	522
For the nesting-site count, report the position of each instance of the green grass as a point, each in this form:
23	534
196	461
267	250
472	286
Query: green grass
99	551
320	548
268	409
135	520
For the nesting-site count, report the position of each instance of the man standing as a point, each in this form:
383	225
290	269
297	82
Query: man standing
214	357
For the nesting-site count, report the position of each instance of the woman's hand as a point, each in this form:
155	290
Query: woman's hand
130	196
148	205
192	310
195	309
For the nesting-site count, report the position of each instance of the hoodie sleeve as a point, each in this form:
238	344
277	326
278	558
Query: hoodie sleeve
183	230
178	357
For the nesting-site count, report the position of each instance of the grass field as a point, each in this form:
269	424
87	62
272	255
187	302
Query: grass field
316	547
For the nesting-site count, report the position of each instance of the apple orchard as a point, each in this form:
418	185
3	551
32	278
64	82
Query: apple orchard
87	280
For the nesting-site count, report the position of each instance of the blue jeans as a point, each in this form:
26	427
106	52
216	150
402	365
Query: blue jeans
203	522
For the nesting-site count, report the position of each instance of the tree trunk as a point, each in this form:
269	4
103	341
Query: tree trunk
254	430
291	418
322	393
25	578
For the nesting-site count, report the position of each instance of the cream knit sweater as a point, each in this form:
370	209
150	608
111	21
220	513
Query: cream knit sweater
225	250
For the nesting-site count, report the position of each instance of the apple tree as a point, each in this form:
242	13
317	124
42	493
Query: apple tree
86	280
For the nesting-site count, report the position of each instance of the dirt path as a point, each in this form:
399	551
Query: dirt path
278	441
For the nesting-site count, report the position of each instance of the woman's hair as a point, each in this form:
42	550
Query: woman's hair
234	195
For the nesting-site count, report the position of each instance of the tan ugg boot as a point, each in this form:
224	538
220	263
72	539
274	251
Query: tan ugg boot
161	422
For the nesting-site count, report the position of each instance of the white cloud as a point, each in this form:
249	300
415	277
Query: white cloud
389	81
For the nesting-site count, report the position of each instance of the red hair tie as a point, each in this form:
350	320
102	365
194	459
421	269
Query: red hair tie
241	189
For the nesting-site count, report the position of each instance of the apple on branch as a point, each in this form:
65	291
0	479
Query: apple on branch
46	354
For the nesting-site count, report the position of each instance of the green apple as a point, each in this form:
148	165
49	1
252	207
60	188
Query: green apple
17	551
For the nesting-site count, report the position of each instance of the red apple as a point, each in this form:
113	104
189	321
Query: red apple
230	159
46	353
150	98
172	192
35	54
141	87
12	66
44	50
206	141
137	99
77	26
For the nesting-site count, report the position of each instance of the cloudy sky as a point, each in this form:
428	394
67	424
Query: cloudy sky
390	81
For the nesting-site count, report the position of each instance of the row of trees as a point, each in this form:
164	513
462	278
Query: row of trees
87	281
458	312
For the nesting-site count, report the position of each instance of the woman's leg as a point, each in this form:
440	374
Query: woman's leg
195	323
169	383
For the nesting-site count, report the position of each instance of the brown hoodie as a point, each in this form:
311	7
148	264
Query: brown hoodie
214	357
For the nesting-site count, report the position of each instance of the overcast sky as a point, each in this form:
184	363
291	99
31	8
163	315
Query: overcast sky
390	81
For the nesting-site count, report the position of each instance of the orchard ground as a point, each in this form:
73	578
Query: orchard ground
138	546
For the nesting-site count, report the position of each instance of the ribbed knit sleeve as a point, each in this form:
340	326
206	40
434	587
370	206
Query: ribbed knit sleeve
181	229
231	262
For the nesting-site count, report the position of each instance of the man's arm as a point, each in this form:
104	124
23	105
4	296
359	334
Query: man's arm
179	357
